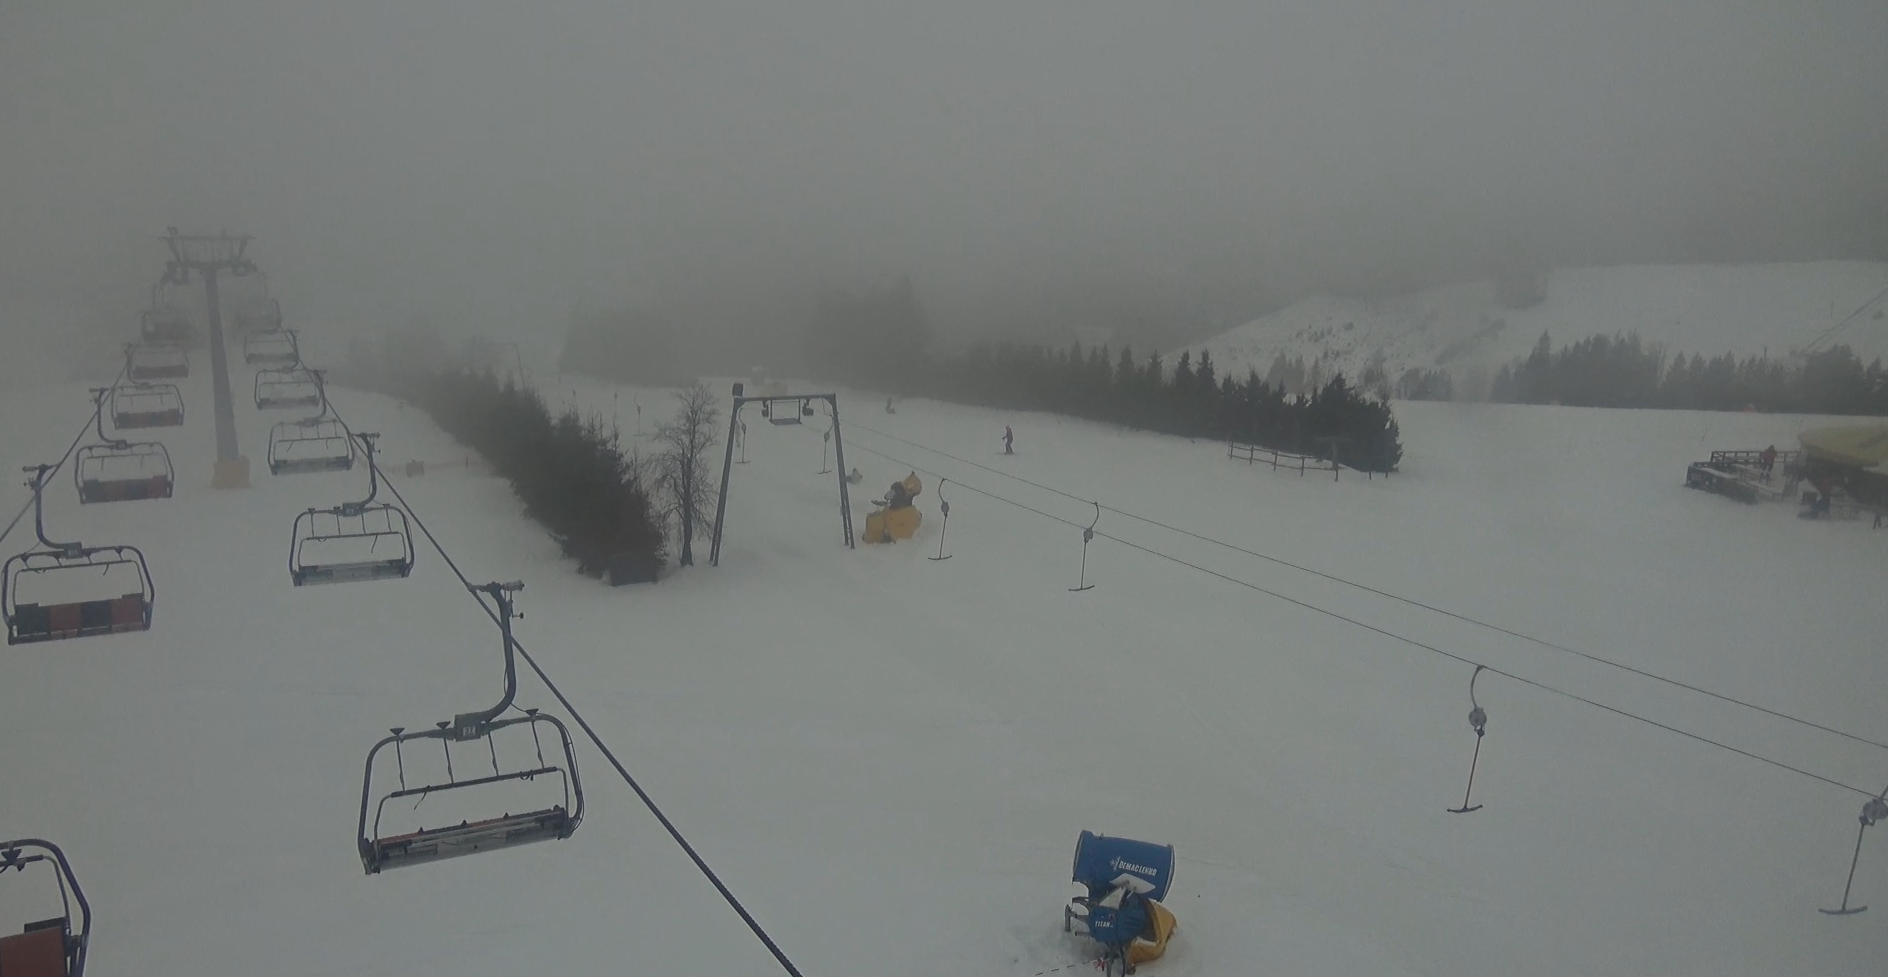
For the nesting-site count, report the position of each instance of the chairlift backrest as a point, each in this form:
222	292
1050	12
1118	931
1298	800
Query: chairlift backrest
142	405
47	947
545	822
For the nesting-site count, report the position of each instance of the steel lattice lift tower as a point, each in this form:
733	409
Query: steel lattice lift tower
208	254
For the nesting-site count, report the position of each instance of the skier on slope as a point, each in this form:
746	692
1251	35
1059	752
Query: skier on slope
1009	441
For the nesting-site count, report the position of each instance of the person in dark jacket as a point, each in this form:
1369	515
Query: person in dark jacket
1009	441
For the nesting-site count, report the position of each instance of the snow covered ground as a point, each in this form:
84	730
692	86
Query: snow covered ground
1703	309
888	759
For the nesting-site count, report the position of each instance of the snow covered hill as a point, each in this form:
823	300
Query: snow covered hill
1707	309
889	758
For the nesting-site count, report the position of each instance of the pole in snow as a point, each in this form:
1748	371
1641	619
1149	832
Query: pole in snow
1478	721
1875	810
1088	536
945	507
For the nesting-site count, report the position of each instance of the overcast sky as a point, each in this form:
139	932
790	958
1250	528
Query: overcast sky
501	163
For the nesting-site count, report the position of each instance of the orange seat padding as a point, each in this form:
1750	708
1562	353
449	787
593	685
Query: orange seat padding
41	953
127	613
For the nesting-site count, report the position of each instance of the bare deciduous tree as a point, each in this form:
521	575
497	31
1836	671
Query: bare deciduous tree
684	473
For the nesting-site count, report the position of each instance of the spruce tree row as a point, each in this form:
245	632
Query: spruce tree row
568	470
1625	371
1190	400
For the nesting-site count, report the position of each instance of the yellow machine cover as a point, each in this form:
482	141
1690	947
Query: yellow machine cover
1860	447
1144	949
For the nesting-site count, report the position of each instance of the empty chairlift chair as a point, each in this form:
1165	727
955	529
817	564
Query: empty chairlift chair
287	389
354	541
142	405
52	946
318	443
116	470
784	412
271	348
70	590
166	325
144	361
549	815
258	315
312	444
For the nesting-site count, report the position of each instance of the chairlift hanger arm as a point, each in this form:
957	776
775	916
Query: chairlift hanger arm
38	485
471	724
98	419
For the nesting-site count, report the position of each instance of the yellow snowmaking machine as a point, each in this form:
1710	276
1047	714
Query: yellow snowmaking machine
895	518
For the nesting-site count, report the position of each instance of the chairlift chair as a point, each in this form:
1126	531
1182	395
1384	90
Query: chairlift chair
788	415
553	822
261	314
317	443
72	565
166	324
142	405
286	389
146	361
52	947
355	541
271	348
116	470
312	444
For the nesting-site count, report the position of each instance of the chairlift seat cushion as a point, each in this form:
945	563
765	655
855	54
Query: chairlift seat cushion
126	489
67	620
303	466
37	953
32	622
470	838
128	614
151	418
352	572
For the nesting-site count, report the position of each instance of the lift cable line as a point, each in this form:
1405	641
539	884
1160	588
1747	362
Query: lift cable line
1816	345
1542	642
1390	634
27	506
649	802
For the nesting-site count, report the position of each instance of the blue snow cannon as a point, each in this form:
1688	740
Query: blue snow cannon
1124	881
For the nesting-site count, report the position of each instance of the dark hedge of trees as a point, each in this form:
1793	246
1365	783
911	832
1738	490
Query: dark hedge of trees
1190	400
1625	371
568	470
879	338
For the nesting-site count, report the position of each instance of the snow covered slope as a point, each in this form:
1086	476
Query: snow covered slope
1707	309
889	758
